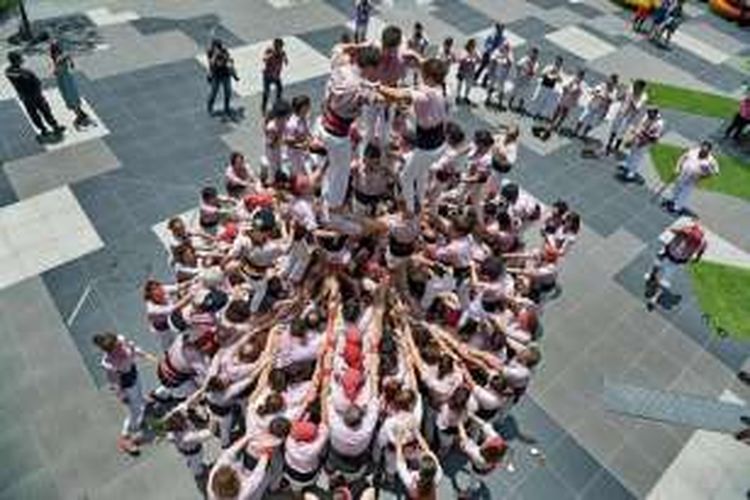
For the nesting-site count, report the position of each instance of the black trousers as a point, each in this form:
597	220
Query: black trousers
39	112
268	82
482	66
736	127
225	83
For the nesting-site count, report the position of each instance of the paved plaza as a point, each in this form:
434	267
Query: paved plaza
82	222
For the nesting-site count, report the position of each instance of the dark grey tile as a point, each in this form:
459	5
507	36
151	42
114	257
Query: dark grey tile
584	10
542	483
529	422
20	456
323	40
17	136
463	16
605	485
201	29
530	28
573	464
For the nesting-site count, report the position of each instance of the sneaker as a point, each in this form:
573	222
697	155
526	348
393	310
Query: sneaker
744	377
650	306
125	445
745	419
58	129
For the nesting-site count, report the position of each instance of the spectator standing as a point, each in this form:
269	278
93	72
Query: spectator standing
220	74
491	43
274	59
63	66
694	165
29	90
362	11
741	118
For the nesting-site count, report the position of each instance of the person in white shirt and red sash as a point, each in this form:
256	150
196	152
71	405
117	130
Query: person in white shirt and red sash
695	164
647	133
688	243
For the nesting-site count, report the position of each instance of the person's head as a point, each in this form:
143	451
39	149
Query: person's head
209	195
277	380
281	110
301	105
433	72
368	59
504	221
106	341
418	28
372	155
652	113
353	416
345	38
493	449
298	328
176	422
391	389
391	37
15	58
405	399
512	134
185	255
498	383
448	43
530	356
445	366
428	468
274	403
613	81
55	49
534	53
639	86
215	384
580	75
459	398
314	319
499	28
238	311
154	292
483	139
237	161
278	44
510	192
177	227
705	149
280	427
454	134
492	268
431	353
217	44
249	352
572	222
559	208
225	483
558	62
471	45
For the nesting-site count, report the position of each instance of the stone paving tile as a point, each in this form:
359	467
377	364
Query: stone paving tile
201	29
634	470
461	15
561	16
530	28
323	40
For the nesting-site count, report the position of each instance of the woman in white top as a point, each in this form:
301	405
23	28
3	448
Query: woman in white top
502	64
232	479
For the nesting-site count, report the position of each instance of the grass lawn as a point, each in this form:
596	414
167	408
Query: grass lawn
691	101
723	293
733	178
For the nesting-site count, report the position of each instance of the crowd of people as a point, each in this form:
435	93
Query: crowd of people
366	303
368	299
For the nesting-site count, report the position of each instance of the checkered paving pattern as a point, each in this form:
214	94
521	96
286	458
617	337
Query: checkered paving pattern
81	219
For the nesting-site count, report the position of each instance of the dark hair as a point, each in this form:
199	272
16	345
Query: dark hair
454	134
445	366
372	151
238	311
483	138
300	102
572	221
504	220
510	192
106	341
459	397
15	58
391	37
298	328
350	311
280	109
209	192
277	380
435	70
274	403
353	416
493	267
427	471
368	57
236	155
280	427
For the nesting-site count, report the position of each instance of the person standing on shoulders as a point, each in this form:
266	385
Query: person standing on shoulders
29	90
63	69
274	59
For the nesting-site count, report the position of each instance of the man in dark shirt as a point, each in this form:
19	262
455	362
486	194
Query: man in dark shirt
220	74
274	59
29	90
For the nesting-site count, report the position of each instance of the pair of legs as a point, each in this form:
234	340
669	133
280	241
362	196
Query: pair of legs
463	89
633	162
268	82
225	84
132	398
40	112
416	175
737	126
518	95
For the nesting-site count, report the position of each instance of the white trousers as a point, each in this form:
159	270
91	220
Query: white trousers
681	191
635	159
136	409
195	462
415	175
336	178
545	101
621	124
377	124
